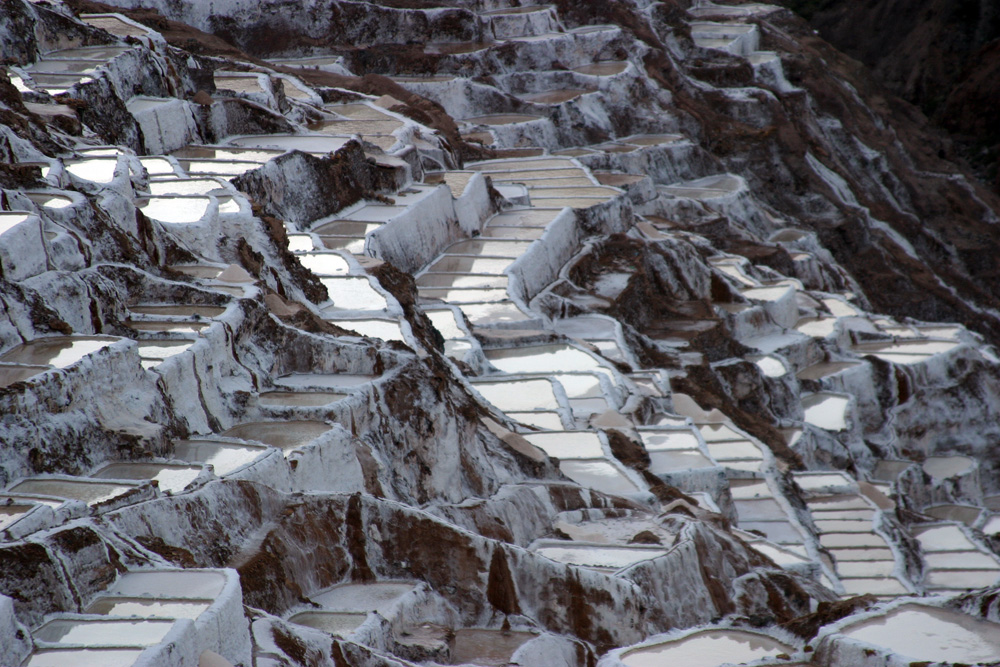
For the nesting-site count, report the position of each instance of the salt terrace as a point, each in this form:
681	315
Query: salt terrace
292	373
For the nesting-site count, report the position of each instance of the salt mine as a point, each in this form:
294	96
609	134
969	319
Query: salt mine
607	333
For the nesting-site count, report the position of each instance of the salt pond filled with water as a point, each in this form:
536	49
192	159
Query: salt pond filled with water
285	435
825	410
709	648
375	596
172	478
928	633
543	359
223	457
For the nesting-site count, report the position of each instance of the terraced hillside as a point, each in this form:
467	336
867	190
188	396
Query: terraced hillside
489	333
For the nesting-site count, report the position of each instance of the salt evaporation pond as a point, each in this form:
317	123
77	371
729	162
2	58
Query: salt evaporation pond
178	310
95	170
603	68
353	294
461	281
825	410
524	218
285	435
549	421
325	263
144	608
445	322
943	467
59	351
709	648
223	457
11	513
469	264
568	444
598	474
363	598
517	395
72	489
187	584
489	248
825	369
172	478
502	119
323	380
489	648
929	633
103	633
543	359
334	622
299	399
176	210
84	658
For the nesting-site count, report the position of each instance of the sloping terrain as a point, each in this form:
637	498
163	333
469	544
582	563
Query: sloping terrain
396	333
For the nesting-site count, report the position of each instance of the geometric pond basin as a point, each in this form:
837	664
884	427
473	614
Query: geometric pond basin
709	648
928	633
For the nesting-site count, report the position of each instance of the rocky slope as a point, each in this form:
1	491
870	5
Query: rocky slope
944	57
474	333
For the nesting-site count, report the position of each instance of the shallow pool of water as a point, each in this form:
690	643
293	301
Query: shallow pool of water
187	584
362	598
462	264
543	359
502	119
84	658
539	419
223	457
96	170
655	440
486	314
524	218
734	450
176	210
489	648
965	513
59	351
103	633
72	489
489	248
950	579
461	281
927	633
603	68
285	435
568	444
677	461
825	410
614	558
171	478
348	293
325	263
178	310
708	648
961	560
460	296
519	395
323	380
825	369
303	399
943	467
334	622
352	228
123	606
555	96
948	537
600	475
